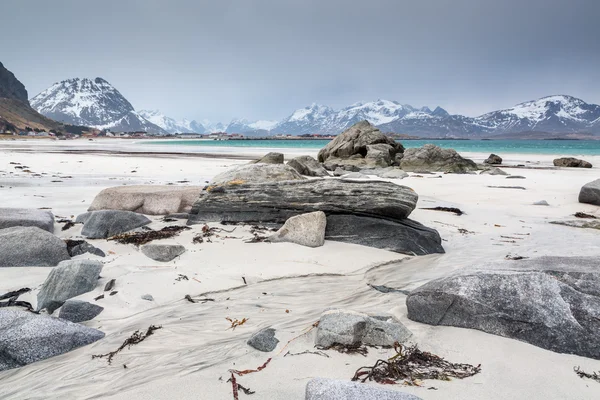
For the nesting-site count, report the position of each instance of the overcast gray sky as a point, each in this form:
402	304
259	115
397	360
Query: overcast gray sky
261	59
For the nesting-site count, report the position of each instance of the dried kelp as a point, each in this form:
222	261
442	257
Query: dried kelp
355	348
250	371
236	322
237	387
14	302
411	365
15	293
135	338
139	238
454	210
191	300
595	376
584	215
208	232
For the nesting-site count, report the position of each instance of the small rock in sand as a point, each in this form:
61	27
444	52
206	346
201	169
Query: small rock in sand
493	159
541	203
79	311
162	252
148	297
493	171
330	389
306	230
515	177
264	340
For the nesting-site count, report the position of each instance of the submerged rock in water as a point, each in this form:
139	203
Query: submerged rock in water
108	223
10	217
433	158
30	247
26	337
550	302
305	229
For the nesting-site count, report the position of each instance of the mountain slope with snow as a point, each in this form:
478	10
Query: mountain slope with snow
94	103
171	125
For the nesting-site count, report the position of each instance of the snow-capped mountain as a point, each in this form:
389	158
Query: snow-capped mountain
94	103
245	126
558	114
171	125
312	119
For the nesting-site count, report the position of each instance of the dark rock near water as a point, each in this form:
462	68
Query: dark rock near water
30	247
26	337
571	163
162	252
107	223
79	311
271	158
264	340
404	236
69	279
330	389
42	219
493	159
590	193
434	158
550	302
308	166
276	202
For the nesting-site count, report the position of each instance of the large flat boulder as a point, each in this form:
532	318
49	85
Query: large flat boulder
69	279
276	202
362	142
147	199
433	158
306	230
107	223
590	193
550	302
405	236
26	337
330	389
308	166
42	219
571	162
30	247
257	173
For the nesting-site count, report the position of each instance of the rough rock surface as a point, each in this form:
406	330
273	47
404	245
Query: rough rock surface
147	199
107	223
550	302
264	340
308	166
42	219
405	236
330	389
493	159
30	247
271	158
26	337
276	202
349	327
257	173
433	158
590	193
367	144
80	247
493	171
305	229
79	311
571	162
162	252
69	279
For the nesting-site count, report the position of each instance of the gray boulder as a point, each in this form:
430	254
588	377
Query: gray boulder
26	337
358	141
493	159
162	252
386	173
264	340
107	223
305	229
352	328
147	199
79	311
257	173
308	166
493	171
549	302
69	279
271	158
80	247
276	202
433	158
330	389
42	219
30	247
590	193
404	236
571	163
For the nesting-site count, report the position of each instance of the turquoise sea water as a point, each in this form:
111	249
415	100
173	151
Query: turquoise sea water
559	147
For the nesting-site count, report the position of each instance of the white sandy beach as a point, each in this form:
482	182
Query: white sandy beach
288	286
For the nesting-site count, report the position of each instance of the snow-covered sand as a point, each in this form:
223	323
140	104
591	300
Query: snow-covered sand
288	286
